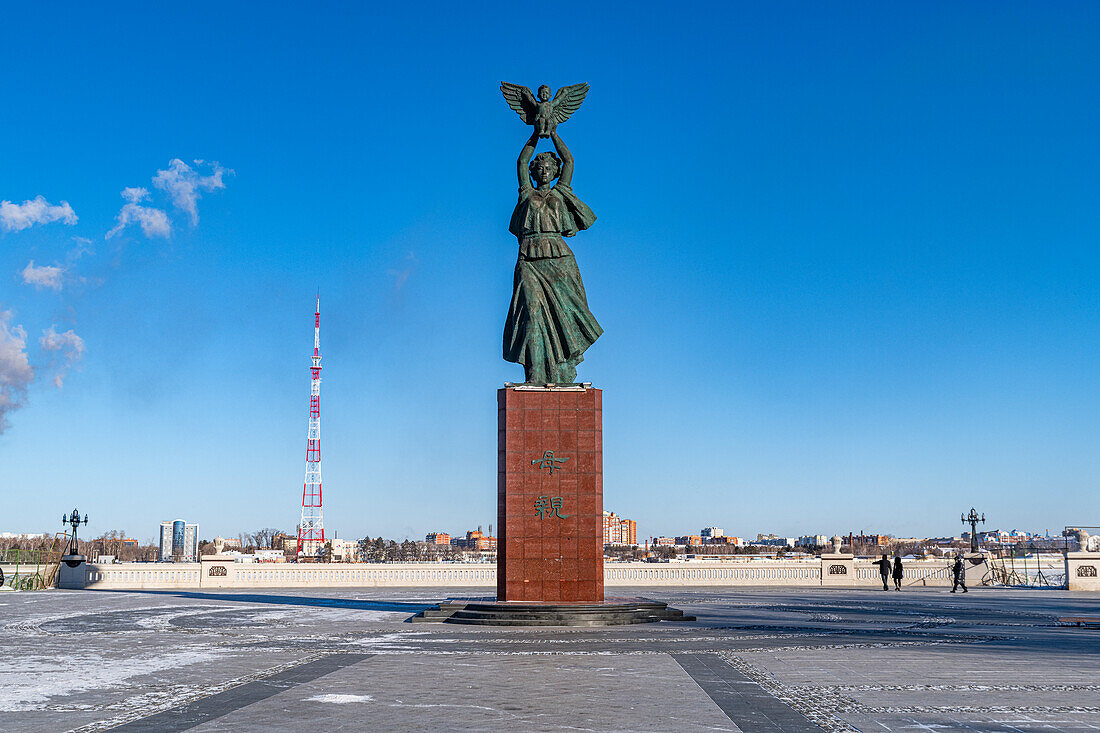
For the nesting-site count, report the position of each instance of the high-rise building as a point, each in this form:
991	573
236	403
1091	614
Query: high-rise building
710	533
628	530
179	540
437	538
165	549
619	531
177	537
610	528
190	543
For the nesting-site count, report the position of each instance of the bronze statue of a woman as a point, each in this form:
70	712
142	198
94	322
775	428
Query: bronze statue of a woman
549	326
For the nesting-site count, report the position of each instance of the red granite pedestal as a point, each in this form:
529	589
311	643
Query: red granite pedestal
550	494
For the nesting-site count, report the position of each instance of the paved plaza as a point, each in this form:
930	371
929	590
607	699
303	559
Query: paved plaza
755	660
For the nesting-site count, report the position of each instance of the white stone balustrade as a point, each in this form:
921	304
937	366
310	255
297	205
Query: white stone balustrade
215	572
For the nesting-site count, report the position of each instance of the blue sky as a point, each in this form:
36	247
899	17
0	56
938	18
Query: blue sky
846	260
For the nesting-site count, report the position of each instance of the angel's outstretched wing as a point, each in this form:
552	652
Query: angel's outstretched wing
568	100
521	100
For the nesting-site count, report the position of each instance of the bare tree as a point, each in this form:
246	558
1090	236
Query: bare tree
265	538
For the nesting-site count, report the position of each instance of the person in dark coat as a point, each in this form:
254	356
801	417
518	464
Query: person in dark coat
958	570
898	574
884	568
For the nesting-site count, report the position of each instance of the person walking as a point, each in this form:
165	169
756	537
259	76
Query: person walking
898	573
959	572
884	570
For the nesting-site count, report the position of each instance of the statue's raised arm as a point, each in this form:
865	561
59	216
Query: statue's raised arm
525	159
566	175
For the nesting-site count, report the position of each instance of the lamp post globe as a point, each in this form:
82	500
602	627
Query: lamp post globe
73	520
973	518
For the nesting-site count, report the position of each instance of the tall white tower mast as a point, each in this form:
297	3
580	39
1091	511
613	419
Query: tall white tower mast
311	530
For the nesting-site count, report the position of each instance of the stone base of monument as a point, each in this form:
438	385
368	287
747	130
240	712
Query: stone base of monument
550	494
610	612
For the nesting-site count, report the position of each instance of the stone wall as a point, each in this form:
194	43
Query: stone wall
218	572
1082	570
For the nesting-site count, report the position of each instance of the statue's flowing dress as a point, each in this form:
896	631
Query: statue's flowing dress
549	325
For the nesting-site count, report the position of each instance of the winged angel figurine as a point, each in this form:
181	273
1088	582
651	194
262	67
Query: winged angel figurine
544	113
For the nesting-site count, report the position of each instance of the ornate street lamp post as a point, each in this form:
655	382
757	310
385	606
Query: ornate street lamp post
973	519
74	521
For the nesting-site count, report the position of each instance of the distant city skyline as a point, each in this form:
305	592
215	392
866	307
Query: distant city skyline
846	262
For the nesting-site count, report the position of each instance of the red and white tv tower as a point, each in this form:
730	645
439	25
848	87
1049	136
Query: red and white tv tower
311	530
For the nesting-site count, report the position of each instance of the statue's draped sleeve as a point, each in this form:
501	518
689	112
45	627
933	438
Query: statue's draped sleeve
575	215
581	217
515	226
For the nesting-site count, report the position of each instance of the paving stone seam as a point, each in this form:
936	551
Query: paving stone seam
887	609
502	649
907	630
838	704
824	634
859	645
749	705
979	687
826	699
809	705
168	693
982	709
195	693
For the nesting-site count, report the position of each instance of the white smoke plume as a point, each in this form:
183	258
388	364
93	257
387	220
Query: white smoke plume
14	217
154	222
68	349
15	369
185	185
43	276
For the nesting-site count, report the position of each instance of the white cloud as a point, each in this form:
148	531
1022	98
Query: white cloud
43	276
135	194
154	222
14	217
15	369
400	277
68	346
83	247
185	185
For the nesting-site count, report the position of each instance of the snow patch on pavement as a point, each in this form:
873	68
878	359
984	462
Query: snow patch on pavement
339	699
40	678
